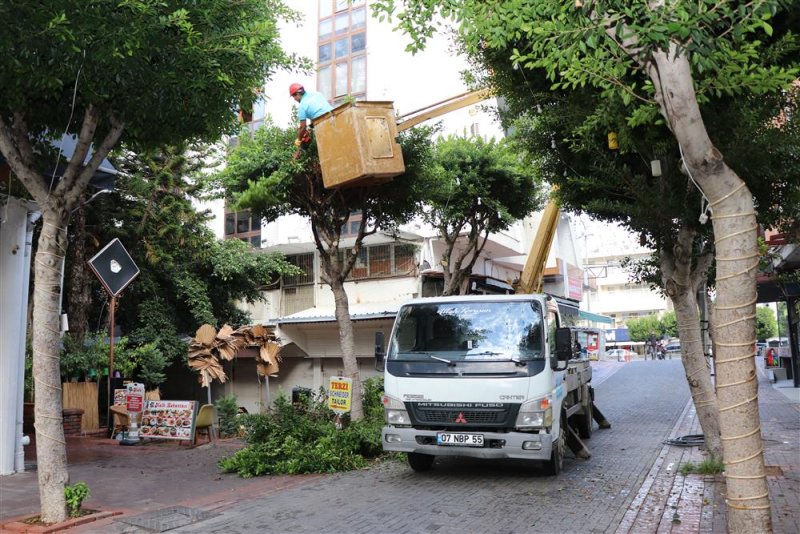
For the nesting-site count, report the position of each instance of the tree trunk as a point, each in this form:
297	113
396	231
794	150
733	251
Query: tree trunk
737	256
347	343
681	291
51	456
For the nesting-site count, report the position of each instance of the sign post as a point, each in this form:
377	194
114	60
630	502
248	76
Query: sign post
340	392
115	269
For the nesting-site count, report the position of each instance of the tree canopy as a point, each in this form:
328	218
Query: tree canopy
263	176
476	188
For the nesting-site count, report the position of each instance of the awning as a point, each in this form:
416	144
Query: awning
327	314
595	317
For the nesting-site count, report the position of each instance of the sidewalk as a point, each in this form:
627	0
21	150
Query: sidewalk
163	483
668	502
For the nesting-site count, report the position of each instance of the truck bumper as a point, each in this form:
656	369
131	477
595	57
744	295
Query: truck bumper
498	445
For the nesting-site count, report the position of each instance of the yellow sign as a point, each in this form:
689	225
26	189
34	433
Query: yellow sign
340	391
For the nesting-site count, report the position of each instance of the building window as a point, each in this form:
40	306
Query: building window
379	261
240	225
306	263
350	228
342	46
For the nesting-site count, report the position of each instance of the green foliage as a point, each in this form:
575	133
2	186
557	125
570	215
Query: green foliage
187	276
143	362
669	324
75	494
567	83
169	70
475	188
302	437
706	467
228	412
766	324
578	47
639	329
28	370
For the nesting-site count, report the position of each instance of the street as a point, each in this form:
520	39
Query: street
642	399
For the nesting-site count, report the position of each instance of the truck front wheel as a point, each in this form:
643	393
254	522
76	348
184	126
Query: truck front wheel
420	462
554	465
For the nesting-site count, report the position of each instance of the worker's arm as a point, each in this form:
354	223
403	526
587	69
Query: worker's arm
302	131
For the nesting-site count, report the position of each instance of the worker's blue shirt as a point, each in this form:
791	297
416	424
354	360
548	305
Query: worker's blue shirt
312	105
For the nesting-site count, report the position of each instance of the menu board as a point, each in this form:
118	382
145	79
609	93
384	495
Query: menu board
119	396
166	419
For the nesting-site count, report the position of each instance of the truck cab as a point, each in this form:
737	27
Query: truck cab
482	376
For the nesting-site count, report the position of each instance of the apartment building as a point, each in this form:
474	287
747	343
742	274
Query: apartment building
608	288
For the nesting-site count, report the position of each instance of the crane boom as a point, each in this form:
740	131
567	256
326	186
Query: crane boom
411	119
532	278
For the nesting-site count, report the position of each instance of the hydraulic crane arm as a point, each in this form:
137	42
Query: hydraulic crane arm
532	278
404	122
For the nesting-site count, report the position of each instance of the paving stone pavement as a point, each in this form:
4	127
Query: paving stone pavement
643	400
630	485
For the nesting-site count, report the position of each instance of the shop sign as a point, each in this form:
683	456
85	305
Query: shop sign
339	394
168	419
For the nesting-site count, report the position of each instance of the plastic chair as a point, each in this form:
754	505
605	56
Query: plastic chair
205	422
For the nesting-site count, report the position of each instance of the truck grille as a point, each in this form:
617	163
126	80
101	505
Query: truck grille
464	415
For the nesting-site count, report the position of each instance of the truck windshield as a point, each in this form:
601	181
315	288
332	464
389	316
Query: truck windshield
467	331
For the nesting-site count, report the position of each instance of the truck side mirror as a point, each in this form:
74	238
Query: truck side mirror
564	347
380	354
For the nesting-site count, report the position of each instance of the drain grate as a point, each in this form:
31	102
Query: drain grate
168	518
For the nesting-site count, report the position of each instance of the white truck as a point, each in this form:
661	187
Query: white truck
496	376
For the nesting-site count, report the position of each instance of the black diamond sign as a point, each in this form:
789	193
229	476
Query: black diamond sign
114	267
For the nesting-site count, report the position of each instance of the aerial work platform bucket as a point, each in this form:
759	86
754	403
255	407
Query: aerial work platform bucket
356	145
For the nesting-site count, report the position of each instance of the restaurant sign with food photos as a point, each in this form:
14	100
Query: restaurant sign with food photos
168	419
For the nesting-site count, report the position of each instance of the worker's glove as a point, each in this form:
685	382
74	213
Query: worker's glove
297	142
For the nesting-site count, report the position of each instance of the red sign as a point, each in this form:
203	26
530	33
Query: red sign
134	403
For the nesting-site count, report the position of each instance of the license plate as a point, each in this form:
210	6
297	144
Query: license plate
461	440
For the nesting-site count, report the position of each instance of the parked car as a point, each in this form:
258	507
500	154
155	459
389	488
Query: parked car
673	349
621	355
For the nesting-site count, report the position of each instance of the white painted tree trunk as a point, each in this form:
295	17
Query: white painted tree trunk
737	255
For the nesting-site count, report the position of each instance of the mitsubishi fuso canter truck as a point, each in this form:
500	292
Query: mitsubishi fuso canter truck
495	376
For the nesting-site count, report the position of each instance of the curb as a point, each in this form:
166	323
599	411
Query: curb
19	525
667	501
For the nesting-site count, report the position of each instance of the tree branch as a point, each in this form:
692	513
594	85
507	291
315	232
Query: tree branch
13	153
73	193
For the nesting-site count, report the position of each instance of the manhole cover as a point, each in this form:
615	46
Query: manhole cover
167	518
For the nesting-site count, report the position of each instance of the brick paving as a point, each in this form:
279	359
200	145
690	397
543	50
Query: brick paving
630	485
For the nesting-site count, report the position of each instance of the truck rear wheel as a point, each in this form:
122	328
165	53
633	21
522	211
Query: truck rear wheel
554	465
420	462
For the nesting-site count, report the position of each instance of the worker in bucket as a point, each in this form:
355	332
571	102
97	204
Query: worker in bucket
312	105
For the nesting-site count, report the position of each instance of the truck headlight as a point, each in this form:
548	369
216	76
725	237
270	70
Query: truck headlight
395	412
537	413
